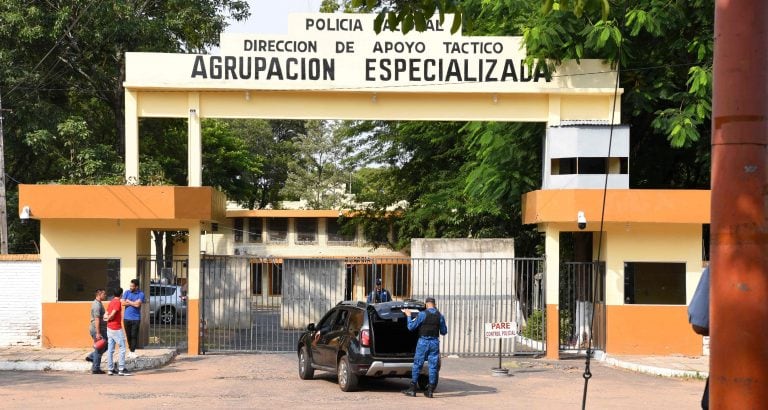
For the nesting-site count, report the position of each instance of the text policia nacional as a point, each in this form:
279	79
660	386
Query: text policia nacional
456	61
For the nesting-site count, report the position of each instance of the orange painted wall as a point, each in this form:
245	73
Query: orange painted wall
66	324
553	338
193	327
621	205
648	329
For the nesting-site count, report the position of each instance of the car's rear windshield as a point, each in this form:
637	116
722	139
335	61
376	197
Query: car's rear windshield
393	310
162	290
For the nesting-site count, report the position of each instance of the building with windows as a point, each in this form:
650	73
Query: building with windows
269	237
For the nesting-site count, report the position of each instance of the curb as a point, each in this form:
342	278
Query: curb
139	363
656	371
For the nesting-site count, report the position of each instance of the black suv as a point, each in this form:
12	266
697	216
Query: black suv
358	340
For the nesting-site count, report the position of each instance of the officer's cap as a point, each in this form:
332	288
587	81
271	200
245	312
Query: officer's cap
429	300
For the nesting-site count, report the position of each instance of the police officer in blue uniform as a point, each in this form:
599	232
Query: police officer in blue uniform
430	324
379	295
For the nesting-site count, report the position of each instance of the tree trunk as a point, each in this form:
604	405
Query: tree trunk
118	106
158	235
169	249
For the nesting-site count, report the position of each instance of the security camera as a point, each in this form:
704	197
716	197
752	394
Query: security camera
581	220
25	215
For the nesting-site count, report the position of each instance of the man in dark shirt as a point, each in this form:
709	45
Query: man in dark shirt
98	330
430	324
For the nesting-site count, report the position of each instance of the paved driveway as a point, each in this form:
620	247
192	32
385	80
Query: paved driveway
271	381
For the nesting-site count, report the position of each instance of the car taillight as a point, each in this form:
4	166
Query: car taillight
365	338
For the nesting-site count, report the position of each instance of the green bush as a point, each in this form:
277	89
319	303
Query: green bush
566	326
534	329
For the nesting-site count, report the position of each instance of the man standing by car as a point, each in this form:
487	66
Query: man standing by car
430	324
379	295
132	299
98	330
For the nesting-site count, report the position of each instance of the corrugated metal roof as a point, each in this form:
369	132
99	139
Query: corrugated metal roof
575	123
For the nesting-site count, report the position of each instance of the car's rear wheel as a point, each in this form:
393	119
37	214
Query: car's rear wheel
166	315
347	378
306	372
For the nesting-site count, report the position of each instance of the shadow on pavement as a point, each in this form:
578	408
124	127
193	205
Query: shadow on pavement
445	388
186	358
11	378
457	388
165	370
512	372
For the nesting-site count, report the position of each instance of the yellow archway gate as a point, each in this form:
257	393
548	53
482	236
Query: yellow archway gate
336	67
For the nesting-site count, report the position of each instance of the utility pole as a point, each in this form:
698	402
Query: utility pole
739	232
3	213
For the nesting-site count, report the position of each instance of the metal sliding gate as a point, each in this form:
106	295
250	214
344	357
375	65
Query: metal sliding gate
253	304
582	296
164	284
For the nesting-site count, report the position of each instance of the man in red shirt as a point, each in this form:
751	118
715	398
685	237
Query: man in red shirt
114	318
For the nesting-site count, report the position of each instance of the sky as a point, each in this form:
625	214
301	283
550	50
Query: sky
271	16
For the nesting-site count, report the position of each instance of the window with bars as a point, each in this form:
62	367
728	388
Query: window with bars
254	230
276	279
277	229
238	228
256	278
337	235
306	231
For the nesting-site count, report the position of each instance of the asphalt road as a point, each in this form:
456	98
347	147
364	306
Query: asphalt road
271	381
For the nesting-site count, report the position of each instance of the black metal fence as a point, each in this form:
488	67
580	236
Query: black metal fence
165	285
582	306
264	304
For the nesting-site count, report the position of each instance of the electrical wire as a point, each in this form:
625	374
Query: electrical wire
597	266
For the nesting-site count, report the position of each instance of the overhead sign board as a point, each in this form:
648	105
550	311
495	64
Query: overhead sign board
342	52
500	330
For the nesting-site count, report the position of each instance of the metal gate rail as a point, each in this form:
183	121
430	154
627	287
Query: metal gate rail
165	287
582	295
251	304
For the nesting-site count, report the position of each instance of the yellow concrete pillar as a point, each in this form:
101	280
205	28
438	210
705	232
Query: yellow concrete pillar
615	108
552	266
194	142
131	138
553	115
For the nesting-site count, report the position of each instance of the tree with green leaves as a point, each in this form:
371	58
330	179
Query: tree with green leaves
61	75
432	180
320	170
667	89
666	102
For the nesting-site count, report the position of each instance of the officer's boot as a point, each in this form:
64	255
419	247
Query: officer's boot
410	391
429	391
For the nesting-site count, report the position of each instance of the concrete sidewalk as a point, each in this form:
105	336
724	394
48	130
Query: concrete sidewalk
667	366
73	360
